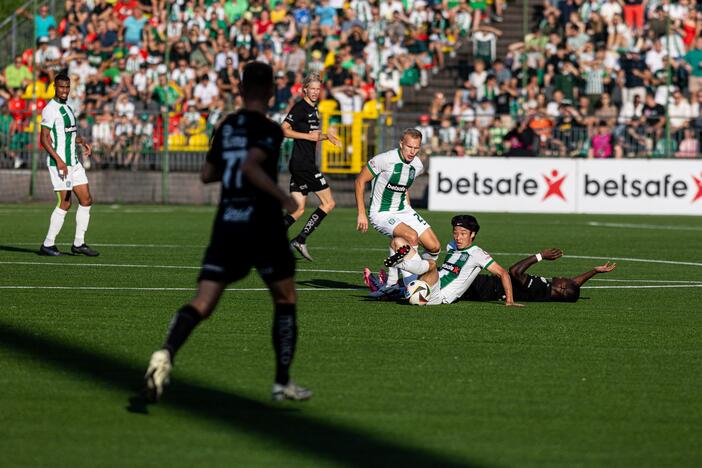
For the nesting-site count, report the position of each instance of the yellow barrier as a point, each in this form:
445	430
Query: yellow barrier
350	157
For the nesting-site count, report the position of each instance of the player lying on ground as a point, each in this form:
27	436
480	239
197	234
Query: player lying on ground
248	232
391	214
525	287
463	262
534	288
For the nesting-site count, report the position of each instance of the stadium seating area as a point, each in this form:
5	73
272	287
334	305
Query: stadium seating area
589	80
131	60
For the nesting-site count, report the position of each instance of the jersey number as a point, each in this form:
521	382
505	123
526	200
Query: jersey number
233	159
419	218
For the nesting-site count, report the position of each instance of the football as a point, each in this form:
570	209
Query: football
418	292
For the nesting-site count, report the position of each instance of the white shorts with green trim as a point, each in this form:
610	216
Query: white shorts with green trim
76	176
385	222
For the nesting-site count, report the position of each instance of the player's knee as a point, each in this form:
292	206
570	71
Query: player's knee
284	296
203	307
412	238
88	201
398	242
65	205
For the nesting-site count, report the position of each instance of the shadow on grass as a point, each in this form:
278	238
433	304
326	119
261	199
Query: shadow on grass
325	283
285	424
12	248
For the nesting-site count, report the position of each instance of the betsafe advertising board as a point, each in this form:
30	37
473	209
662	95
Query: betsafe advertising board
630	186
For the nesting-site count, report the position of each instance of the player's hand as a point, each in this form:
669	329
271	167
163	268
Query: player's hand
362	223
551	254
513	304
61	168
87	150
606	268
290	204
315	136
333	139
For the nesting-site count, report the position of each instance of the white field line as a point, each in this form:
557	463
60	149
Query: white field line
653	286
115	288
172	267
660	227
304	270
377	249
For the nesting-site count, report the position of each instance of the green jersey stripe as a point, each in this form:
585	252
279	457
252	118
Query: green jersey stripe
371	169
386	201
54	144
66	125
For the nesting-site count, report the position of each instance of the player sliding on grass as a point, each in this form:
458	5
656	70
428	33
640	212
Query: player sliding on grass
463	262
390	211
244	156
534	288
525	287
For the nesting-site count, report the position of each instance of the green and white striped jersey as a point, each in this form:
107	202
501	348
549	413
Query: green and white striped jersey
61	120
459	269
392	177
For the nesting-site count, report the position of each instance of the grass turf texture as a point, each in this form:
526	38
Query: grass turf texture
611	380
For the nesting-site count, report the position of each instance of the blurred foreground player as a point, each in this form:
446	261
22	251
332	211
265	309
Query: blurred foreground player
244	157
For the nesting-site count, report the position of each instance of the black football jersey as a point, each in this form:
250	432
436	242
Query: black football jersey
303	118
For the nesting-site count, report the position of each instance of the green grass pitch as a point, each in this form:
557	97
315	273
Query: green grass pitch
614	380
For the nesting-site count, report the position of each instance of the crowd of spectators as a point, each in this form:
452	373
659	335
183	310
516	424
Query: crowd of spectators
590	80
131	61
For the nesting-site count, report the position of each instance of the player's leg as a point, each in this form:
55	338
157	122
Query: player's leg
407	258
182	325
327	204
58	216
85	201
276	266
301	200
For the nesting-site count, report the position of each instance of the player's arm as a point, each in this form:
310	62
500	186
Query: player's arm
606	268
252	169
362	179
497	270
45	140
518	270
86	146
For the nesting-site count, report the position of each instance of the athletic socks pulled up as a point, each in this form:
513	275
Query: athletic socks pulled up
288	221
182	324
82	221
55	225
312	223
284	340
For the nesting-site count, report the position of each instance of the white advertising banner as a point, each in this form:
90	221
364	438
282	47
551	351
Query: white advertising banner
566	185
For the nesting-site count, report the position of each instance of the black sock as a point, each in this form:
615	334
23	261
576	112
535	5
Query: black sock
284	339
288	221
312	224
182	324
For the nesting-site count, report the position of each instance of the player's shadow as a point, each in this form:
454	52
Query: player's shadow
12	248
284	424
328	284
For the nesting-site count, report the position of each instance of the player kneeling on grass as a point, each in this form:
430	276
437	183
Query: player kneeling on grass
244	156
463	262
534	288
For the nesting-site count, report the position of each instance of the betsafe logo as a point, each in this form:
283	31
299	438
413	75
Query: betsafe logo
515	185
662	186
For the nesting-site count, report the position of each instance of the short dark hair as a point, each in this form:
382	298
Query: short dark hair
466	221
257	79
62	76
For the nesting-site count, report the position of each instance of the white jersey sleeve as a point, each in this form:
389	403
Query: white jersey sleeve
378	164
49	115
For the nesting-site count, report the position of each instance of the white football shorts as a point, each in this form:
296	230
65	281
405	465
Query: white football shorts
385	222
76	176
